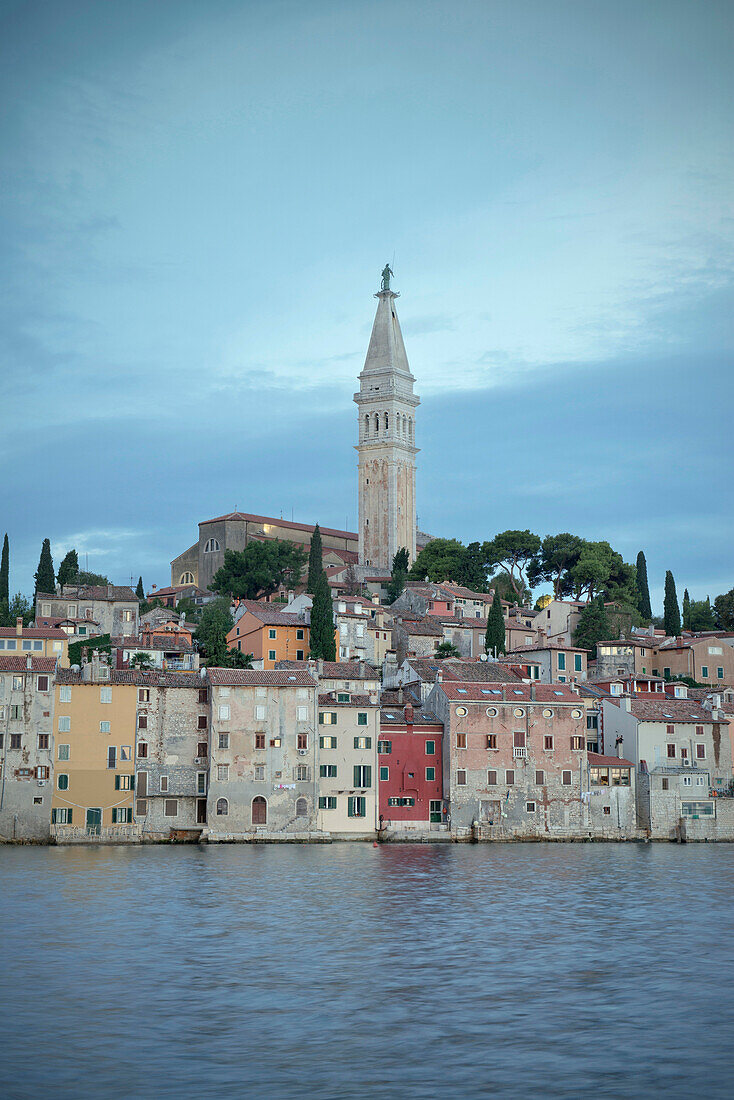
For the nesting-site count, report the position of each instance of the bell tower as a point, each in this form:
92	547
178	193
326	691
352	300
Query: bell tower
386	449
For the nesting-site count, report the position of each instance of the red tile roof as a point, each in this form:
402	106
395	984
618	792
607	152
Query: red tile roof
452	669
334	670
133	676
271	616
537	647
510	693
306	527
33	632
243	677
597	760
10	663
680	711
329	699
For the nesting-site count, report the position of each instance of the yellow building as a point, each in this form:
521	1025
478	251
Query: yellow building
42	641
94	753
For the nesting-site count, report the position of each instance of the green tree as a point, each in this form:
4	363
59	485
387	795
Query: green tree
446	649
557	556
671	611
259	570
643	589
5	583
139	590
187	607
500	584
686	610
593	625
398	576
92	579
700	615
140	660
315	560
440	560
513	552
494	639
100	643
474	569
44	575
211	633
323	642
20	607
69	569
724	605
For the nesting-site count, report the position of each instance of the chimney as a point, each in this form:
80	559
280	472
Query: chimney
375	598
19	625
361	670
532	692
290	595
29	662
619	745
400	695
439	676
320	665
408	714
627	703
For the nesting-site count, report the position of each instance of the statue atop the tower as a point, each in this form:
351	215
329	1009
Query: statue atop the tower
386	273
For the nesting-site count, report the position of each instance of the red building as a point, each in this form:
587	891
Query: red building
409	769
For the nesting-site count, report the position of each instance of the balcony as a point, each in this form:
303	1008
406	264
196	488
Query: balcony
519	753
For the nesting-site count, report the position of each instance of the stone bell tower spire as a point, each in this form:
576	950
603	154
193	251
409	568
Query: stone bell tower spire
386	449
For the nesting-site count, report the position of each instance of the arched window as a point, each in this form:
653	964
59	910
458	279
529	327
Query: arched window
187	578
222	807
301	807
259	811
367	424
377	423
387	422
210	546
410	429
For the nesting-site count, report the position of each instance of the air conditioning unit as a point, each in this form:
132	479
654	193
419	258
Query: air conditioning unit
686	762
41	782
200	760
303	752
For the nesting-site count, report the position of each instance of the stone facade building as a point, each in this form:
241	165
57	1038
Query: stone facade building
26	746
262	775
556	663
386	442
86	610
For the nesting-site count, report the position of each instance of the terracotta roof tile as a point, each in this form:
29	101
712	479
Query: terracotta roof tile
453	669
306	527
334	670
509	693
677	711
9	663
244	677
33	632
597	760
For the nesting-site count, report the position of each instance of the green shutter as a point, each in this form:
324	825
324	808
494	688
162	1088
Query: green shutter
53	817
367	775
368	742
350	806
69	814
357	775
321	719
117	782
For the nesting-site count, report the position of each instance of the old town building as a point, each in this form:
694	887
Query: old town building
86	610
26	746
346	759
409	759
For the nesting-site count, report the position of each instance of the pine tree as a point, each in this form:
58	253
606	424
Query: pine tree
140	591
671	611
315	561
494	639
323	643
69	569
5	583
686	610
643	600
45	578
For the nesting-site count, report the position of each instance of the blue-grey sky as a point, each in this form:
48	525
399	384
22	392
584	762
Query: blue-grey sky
198	197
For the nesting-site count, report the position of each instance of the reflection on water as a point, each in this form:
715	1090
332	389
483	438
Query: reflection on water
349	971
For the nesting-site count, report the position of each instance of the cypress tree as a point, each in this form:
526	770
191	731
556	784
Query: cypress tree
5	582
671	611
69	569
643	598
494	639
323	643
315	561
140	591
686	610
593	625
45	577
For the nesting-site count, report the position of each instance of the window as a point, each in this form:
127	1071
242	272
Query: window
63	752
259	740
299	654
518	712
492	778
299	635
430	747
43	740
566	778
64	724
126	782
43	771
363	742
223	740
327	802
461	778
62	782
222	773
15	740
562	661
385	747
539	778
461	711
704	672
125	752
620	777
327	771
302	773
430	775
302	741
343	697
577	666
700	752
461	740
170	807
222	807
42	683
578	743
271	655
384	774
301	807
302	714
143	695
201	782
356	806
510	778
362	775
361	718
592	721
105	695
697	809
203	696
720	672
64	693
530	807
259	773
671	752
112	757
142	721
665	784
548	742
142	750
202	749
163	784
211	546
327	742
201	722
327	718
186	578
491	712
122	815
15	711
104	727
224	712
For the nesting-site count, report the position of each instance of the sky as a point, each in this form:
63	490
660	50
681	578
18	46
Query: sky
197	198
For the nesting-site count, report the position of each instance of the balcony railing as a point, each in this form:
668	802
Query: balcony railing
96	833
